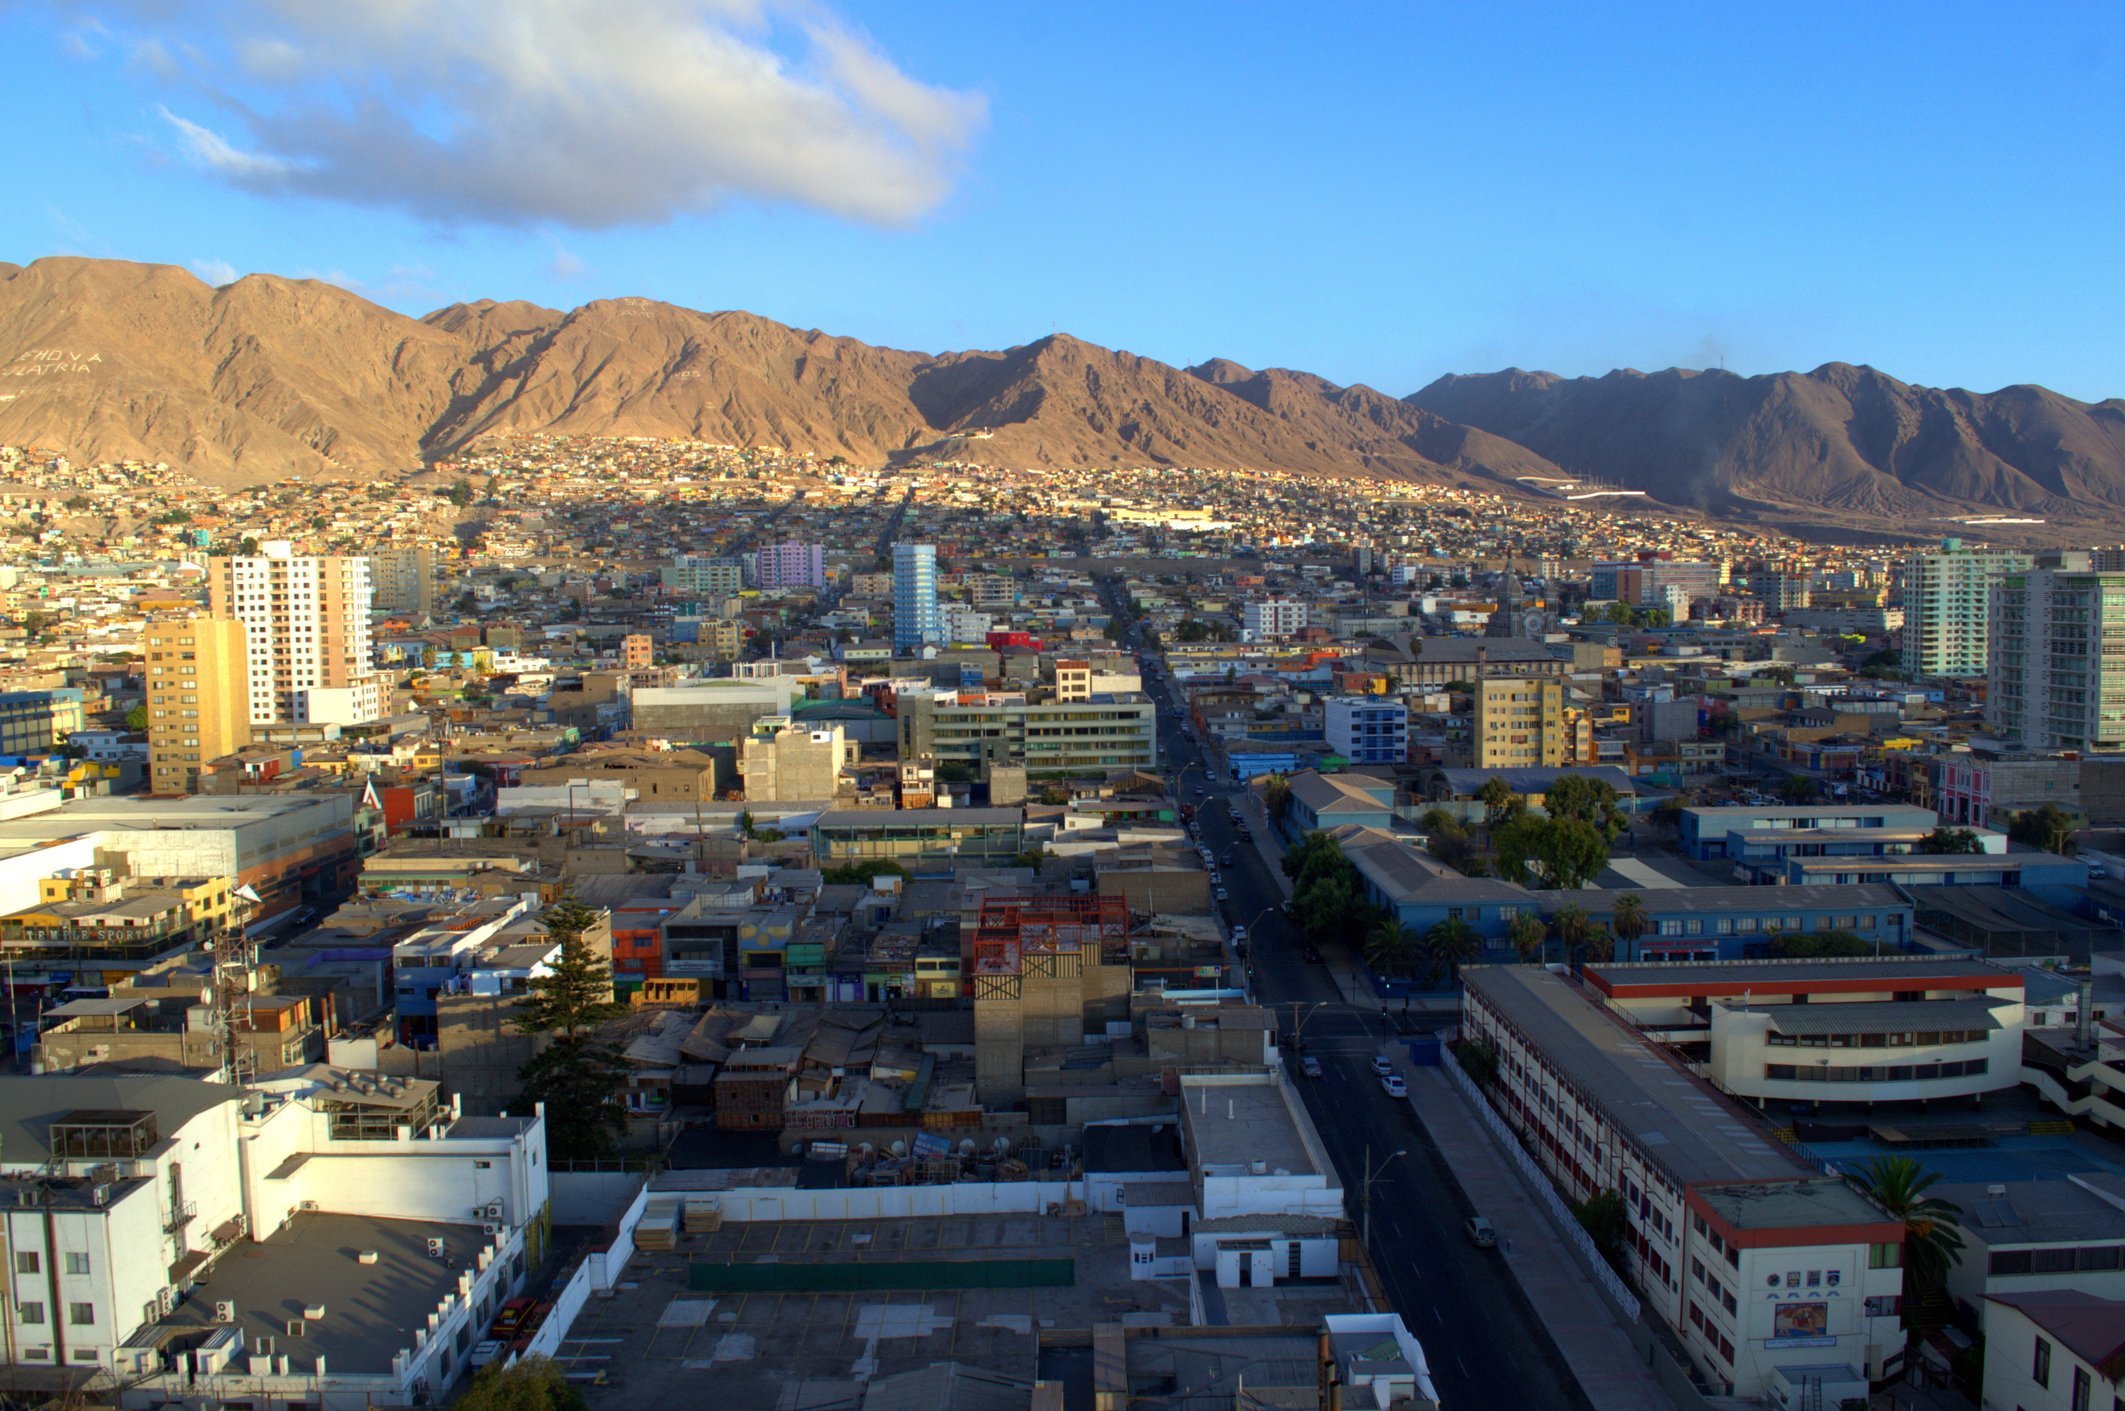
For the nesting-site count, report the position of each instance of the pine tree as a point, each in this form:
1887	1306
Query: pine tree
579	1077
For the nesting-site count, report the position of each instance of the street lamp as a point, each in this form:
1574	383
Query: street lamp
1372	1174
1298	1020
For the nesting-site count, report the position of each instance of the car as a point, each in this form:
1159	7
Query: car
1227	860
1381	1066
1198	791
483	1352
1393	1085
1213	877
1239	934
1481	1233
1223	895
1310	1067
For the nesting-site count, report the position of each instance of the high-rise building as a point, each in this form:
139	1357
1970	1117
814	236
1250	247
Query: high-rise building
199	698
2056	668
403	579
1367	729
1519	722
917	621
306	629
1271	619
790	565
1947	607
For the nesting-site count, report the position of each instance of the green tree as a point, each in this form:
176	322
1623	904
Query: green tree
577	1075
1571	852
1628	921
1479	1060
1797	789
861	873
136	719
1496	796
1607	1224
1950	842
1276	796
1449	945
1529	937
459	493
1619	613
1932	1243
531	1384
2049	828
1818	945
1588	799
1391	948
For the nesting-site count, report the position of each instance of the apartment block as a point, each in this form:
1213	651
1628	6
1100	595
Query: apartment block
1947	607
35	721
1095	735
790	565
199	699
783	762
306	630
1519	722
1271	619
404	579
2056	666
917	620
704	577
1367	729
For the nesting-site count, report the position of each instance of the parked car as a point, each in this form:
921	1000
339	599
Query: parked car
1239	935
1381	1066
1394	1085
1223	895
1480	1232
1310	1066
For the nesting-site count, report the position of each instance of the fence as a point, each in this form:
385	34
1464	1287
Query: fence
598	1270
885	1202
1560	1214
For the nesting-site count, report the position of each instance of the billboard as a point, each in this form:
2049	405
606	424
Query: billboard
1801	1325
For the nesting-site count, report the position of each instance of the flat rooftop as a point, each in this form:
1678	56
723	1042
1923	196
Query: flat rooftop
1677	1121
1661	901
2038	1212
656	1342
1887	1017
1234	1124
369	1308
1891	971
1791	1205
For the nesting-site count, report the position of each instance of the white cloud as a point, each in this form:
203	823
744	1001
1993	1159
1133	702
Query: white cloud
215	272
577	113
565	264
214	152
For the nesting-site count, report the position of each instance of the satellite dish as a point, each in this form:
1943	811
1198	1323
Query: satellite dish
1003	1145
206	994
966	1147
898	1148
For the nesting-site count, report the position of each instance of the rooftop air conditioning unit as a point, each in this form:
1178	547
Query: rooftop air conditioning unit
225	1311
494	1210
435	1249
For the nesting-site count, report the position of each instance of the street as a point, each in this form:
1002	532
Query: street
1483	1340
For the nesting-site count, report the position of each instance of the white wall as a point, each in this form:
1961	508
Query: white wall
2010	1366
1741	1049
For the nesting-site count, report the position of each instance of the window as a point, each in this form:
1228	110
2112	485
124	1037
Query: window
2081	1389
1887	1306
81	1315
27	1262
31	1312
2040	1370
77	1263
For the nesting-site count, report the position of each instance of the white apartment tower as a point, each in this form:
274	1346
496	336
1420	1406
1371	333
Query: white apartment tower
306	632
2056	678
1947	605
1271	619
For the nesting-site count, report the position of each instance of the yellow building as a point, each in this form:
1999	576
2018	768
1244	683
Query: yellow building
199	699
1519	722
94	919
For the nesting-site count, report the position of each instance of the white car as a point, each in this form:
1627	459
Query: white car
1239	934
1222	896
1394	1086
1381	1067
1213	877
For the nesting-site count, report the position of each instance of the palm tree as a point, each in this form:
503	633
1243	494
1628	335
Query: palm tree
1628	920
1931	1241
1452	943
1573	926
1390	947
1528	935
1276	796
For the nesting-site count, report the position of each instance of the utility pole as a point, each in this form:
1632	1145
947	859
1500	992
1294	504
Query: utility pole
1372	1174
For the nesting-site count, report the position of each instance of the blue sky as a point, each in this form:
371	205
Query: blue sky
1379	193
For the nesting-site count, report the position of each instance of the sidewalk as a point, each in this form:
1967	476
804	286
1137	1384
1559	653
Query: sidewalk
1588	1328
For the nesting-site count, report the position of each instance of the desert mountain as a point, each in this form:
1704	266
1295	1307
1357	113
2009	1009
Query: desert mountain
1849	440
271	377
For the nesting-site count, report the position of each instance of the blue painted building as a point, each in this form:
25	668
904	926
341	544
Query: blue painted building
1739	923
1704	831
1321	801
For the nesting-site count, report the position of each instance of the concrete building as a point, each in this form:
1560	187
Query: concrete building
1900	1029
1093	736
921	838
306	632
645	776
1518	723
1947	607
2032	1236
711	711
33	722
638	651
1713	832
2054	1351
2056	677
917	622
703	578
1765	1270
1271	619
1367	729
404	579
1046	973
790	565
781	762
198	698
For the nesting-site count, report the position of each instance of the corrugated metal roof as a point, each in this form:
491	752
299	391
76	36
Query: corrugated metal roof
1885	1017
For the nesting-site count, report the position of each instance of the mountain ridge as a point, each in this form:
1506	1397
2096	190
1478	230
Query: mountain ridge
268	376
